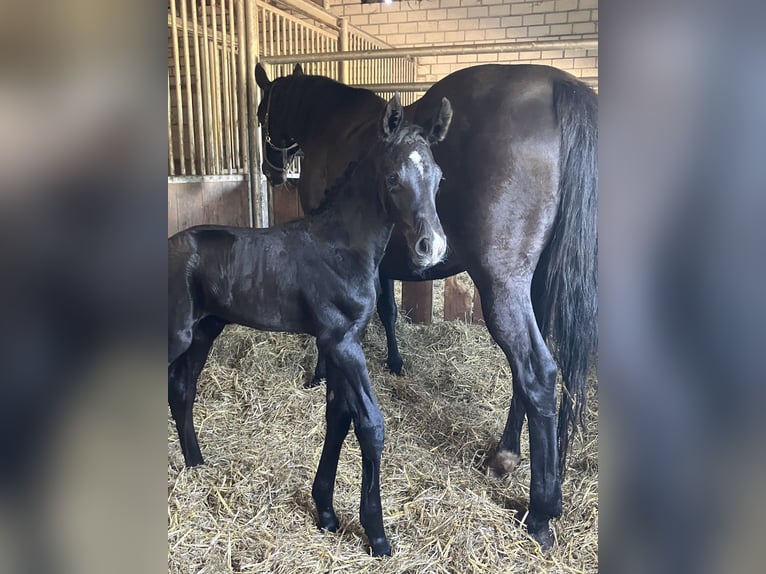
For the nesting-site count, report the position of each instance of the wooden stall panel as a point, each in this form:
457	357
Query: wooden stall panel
286	203
214	202
458	301
417	301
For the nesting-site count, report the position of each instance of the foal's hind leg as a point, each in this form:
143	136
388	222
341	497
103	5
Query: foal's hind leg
346	362
338	422
511	321
182	386
387	312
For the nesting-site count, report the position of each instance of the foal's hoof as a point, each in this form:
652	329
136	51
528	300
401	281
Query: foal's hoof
543	536
395	364
380	547
315	382
328	521
502	463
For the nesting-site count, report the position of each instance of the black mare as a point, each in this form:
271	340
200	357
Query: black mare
316	276
518	204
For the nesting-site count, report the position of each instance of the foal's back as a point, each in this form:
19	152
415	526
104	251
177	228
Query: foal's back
252	277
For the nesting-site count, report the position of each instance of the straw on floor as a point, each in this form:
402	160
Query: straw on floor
249	509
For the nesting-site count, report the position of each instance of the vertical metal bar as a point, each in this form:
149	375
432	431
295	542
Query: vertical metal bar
198	79
271	34
323	49
227	140
258	186
189	101
220	159
179	95
242	86
280	52
171	158
208	99
290	45
233	97
314	49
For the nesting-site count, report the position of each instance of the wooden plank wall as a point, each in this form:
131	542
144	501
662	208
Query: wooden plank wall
217	202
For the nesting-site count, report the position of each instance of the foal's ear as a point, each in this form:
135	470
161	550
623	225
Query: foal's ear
392	116
298	70
261	77
437	130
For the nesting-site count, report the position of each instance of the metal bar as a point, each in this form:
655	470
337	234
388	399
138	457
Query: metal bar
198	78
227	139
216	83
171	158
312	10
189	99
422	86
234	98
206	178
208	93
258	186
278	44
179	94
242	86
456	49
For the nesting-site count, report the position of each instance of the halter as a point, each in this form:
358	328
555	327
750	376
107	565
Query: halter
283	150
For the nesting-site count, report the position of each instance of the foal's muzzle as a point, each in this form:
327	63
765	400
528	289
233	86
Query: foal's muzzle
430	248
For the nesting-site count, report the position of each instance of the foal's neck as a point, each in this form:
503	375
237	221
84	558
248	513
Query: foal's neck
352	216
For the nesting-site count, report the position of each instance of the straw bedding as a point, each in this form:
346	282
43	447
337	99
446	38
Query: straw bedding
249	508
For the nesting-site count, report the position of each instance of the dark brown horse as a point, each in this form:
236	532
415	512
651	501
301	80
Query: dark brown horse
318	276
518	204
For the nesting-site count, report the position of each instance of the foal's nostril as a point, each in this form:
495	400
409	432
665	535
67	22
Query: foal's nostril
423	247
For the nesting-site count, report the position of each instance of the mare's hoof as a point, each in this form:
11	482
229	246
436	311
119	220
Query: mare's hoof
543	536
380	547
502	463
315	382
328	521
192	462
395	364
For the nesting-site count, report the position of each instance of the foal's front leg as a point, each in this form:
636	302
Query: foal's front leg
347	358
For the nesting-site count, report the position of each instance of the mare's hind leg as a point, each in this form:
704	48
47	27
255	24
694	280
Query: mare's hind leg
182	386
506	456
387	312
320	372
508	451
511	322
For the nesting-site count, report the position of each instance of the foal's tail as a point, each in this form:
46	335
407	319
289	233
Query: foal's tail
569	264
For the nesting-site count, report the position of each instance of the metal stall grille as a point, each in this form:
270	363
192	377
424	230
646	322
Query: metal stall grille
207	98
209	81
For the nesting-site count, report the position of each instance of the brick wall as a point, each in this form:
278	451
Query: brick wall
439	22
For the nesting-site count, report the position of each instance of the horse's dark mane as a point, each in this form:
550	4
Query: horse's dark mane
315	100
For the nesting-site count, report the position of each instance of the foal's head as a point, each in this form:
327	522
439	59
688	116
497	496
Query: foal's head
278	146
409	178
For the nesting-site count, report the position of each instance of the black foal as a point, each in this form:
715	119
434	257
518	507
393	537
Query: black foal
316	276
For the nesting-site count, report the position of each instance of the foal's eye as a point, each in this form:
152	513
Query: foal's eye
392	180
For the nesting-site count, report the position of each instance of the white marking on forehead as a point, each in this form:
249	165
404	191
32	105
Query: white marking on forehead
417	160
